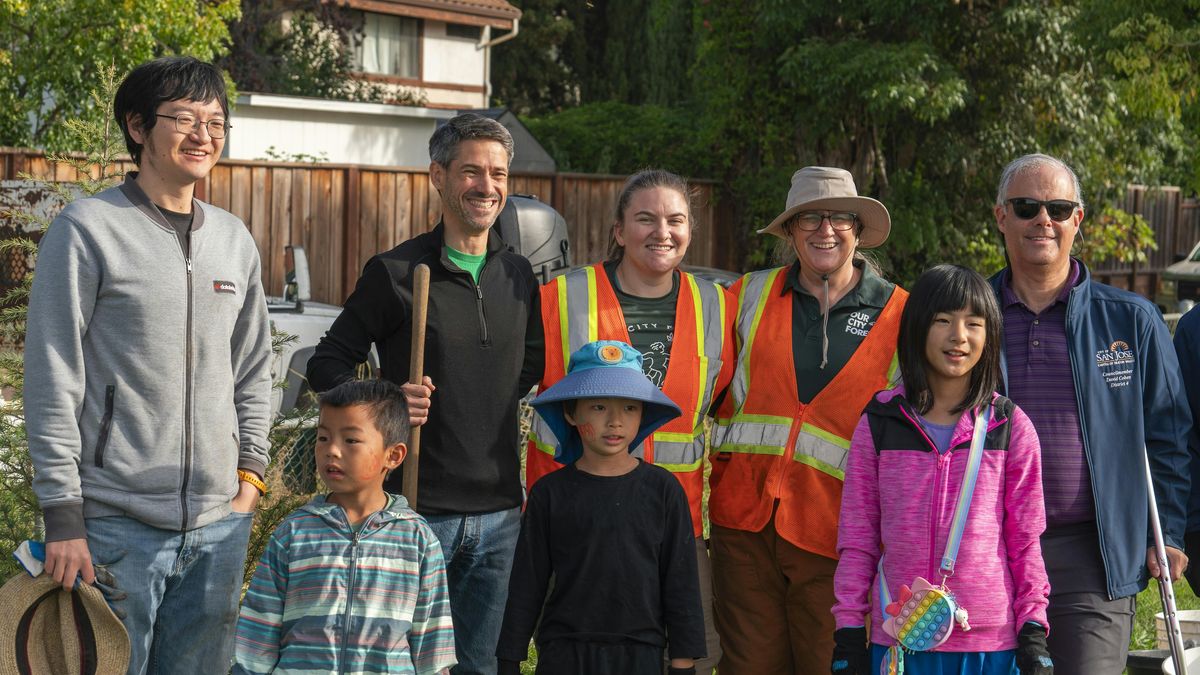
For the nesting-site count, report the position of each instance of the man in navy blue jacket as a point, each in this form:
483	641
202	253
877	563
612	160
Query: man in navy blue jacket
1187	348
1093	367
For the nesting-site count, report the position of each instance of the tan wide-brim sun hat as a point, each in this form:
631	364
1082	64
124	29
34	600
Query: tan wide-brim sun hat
44	629
823	188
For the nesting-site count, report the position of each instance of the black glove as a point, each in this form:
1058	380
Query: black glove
850	655
690	670
508	667
1033	658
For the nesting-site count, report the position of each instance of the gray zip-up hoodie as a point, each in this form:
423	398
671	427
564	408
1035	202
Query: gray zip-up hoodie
147	373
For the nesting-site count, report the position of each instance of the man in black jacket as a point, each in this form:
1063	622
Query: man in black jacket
483	351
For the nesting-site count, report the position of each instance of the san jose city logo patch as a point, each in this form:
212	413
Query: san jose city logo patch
224	286
1116	363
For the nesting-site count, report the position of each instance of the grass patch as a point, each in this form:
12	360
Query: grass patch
1148	604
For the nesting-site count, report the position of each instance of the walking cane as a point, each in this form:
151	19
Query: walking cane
416	371
1166	592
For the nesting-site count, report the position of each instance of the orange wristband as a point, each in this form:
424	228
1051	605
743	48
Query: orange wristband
253	480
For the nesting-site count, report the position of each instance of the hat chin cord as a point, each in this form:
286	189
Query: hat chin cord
825	323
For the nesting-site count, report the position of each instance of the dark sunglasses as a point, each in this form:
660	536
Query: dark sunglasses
1058	209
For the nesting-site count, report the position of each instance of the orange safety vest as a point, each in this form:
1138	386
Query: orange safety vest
582	307
769	446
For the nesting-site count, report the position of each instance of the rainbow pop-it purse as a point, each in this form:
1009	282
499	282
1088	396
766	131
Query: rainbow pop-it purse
924	614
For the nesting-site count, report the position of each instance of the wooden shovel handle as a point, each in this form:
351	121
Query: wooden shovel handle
416	373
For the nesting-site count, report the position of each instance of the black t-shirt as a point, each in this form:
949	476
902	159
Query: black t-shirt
651	324
182	222
623	558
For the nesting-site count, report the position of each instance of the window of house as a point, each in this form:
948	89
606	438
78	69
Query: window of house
458	30
390	46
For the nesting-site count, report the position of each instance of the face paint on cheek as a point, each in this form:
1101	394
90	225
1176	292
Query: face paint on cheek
374	467
587	431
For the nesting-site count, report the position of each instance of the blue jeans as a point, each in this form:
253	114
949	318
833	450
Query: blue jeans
479	550
182	587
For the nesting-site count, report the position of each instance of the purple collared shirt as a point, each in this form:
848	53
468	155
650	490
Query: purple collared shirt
1040	382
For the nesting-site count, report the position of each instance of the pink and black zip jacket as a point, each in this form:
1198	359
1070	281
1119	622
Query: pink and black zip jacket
899	498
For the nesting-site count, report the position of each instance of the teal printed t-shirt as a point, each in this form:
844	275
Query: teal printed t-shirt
467	262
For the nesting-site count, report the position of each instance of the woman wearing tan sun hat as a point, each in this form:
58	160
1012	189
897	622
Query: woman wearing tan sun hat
815	340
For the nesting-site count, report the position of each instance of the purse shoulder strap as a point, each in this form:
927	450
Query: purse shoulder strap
967	490
961	509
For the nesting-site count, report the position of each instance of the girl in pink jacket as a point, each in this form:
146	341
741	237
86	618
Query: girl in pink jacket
907	462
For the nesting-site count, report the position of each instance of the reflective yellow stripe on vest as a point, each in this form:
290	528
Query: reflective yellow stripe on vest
540	435
749	315
752	434
893	374
821	450
577	313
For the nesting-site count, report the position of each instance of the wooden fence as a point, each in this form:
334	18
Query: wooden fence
344	214
1176	223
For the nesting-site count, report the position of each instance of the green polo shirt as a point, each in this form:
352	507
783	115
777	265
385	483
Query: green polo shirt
850	319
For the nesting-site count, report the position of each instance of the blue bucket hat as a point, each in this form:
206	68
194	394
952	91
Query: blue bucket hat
602	369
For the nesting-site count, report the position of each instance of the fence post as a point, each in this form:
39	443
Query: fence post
556	193
350	234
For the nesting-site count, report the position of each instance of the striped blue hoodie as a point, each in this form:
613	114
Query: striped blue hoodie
327	599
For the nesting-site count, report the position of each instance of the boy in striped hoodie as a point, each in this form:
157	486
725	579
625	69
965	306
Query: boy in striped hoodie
354	581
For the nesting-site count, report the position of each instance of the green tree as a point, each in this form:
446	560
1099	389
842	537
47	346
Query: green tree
530	74
924	102
576	52
53	51
1151	48
303	48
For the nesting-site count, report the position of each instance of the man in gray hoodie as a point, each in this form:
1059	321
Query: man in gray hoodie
147	380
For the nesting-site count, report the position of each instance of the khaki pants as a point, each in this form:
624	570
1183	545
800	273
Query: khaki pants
773	603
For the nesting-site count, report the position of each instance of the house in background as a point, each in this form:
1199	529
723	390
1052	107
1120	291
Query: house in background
266	126
439	50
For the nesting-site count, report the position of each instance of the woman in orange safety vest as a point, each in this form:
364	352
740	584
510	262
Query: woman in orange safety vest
815	340
682	325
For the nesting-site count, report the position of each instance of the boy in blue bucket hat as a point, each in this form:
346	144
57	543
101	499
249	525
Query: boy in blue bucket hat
614	532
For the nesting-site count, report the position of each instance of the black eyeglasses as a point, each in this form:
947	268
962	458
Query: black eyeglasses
186	124
1058	209
810	221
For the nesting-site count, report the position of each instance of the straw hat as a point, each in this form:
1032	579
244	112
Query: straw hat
44	629
822	188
